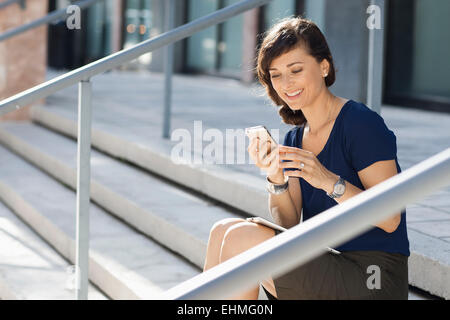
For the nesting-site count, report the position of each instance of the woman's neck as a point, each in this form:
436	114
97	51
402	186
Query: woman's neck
320	112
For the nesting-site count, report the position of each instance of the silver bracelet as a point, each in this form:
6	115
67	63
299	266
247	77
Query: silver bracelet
277	188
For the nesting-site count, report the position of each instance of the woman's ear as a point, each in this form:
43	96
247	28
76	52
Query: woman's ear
325	67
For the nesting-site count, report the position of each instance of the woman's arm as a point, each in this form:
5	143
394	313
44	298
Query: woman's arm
321	178
370	176
286	208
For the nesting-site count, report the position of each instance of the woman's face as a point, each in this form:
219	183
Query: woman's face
297	72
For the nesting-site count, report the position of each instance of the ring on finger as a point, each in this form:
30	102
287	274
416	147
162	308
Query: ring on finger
302	165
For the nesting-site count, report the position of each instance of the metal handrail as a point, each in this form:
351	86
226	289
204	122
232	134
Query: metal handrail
51	17
305	241
6	3
82	75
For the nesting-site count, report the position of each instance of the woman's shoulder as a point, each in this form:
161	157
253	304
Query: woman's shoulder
359	116
359	110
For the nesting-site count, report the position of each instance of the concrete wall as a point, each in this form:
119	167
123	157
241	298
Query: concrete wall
23	58
347	36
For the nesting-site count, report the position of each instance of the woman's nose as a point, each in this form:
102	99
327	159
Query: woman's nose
286	83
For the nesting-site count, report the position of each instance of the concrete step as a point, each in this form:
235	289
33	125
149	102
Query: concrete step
30	269
150	204
241	190
143	147
123	263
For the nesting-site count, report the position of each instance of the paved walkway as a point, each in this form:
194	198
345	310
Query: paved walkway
132	104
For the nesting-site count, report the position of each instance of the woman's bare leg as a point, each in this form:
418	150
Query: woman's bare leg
215	241
239	238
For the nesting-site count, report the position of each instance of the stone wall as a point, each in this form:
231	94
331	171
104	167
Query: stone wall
23	58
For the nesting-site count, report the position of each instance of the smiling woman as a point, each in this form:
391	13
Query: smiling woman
313	52
337	149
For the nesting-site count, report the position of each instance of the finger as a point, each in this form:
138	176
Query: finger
274	155
293	164
253	152
264	150
289	149
264	145
252	147
293	157
294	173
274	166
271	157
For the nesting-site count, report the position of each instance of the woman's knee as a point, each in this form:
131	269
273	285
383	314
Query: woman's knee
219	228
242	236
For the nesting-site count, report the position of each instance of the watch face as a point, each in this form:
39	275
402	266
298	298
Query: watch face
339	189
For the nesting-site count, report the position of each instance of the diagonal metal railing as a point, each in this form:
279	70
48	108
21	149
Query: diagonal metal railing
307	240
82	76
51	17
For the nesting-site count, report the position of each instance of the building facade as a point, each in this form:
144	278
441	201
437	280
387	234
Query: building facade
416	42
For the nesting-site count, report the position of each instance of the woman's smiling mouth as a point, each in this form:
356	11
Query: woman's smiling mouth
294	95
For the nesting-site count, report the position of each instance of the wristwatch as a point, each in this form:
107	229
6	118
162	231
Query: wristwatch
339	189
277	188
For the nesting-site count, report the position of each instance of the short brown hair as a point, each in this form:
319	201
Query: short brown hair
290	33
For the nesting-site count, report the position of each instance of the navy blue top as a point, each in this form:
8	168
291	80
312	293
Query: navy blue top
358	139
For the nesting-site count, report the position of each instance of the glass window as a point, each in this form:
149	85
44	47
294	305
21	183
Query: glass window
276	10
201	46
431	49
418	47
138	21
230	48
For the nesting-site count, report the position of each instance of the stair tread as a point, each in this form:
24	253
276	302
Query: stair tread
175	210
30	269
139	261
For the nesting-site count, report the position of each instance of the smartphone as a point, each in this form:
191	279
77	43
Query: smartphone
263	134
267	223
275	226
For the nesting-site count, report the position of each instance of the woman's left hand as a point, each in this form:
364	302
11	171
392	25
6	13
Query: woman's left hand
310	167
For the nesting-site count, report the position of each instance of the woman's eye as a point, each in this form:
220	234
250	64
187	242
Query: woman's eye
295	71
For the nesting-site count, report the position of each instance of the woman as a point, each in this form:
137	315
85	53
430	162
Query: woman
337	149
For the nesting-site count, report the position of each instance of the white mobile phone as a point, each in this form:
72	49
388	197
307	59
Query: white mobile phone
280	228
266	223
262	133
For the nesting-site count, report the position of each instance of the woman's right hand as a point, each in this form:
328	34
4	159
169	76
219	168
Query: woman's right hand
266	160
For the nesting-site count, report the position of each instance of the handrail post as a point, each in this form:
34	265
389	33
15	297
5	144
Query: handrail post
83	187
375	60
168	67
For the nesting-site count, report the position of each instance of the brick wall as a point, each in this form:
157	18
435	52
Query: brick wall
23	58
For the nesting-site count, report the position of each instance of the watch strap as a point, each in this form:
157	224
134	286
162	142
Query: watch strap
334	195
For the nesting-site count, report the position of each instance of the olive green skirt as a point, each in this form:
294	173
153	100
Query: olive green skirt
349	275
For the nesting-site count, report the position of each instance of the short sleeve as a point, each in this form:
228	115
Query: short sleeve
369	140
